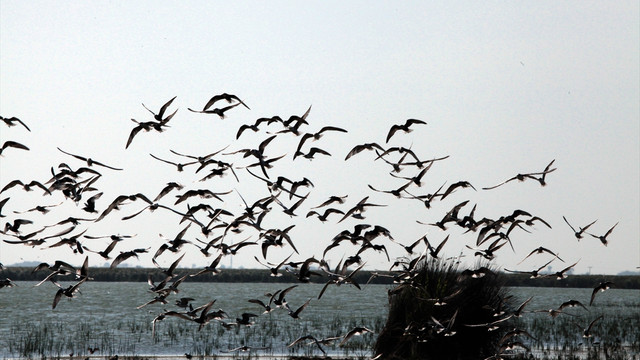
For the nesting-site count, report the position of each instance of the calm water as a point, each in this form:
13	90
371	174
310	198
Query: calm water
104	315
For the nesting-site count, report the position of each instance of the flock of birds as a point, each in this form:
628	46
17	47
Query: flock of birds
220	225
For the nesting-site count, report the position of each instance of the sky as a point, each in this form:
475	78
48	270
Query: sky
504	88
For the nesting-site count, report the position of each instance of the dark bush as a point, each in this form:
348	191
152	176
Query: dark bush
429	313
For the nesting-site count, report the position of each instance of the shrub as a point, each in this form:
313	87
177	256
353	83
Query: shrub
430	310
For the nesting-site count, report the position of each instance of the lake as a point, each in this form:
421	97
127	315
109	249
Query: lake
104	315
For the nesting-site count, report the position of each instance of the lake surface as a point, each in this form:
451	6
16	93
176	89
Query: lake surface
105	316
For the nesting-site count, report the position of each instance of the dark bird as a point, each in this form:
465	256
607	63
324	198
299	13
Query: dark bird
126	255
15	225
339	277
296	313
119	200
403	127
169	271
417	180
603	286
224	96
578	233
245	319
358	330
105	253
534	273
202	193
160	115
331	200
541	250
452	187
312	152
315	136
396	192
278	298
26	187
69	292
323	217
317	342
12	120
253	127
212	268
13	144
2	202
178	165
273	268
43	209
399	149
426	198
477	273
546	170
217	111
90	162
409	248
7	283
358	209
603	238
520	310
147	126
290	210
523	177
90	204
563	273
586	332
359	148
571	303
167	189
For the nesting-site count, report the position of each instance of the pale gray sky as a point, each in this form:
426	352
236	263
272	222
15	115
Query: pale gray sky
504	87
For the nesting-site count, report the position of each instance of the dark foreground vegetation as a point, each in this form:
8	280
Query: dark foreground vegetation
139	274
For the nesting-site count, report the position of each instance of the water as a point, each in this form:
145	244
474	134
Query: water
104	315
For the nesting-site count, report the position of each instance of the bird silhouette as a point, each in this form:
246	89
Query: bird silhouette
12	122
224	96
403	127
90	162
12	144
603	238
221	112
603	286
579	233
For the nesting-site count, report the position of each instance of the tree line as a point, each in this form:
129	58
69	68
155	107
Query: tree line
139	274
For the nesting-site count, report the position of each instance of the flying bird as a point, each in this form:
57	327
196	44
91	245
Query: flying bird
358	330
224	96
586	332
403	127
160	115
603	238
578	233
90	162
13	144
146	126
359	148
26	187
523	177
178	165
452	187
217	111
603	286
12	120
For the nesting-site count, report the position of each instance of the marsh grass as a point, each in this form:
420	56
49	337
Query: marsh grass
58	339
